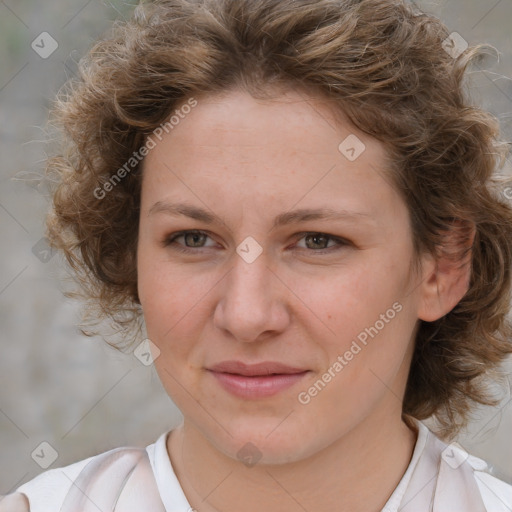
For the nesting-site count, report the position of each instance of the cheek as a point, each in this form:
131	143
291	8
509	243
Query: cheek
353	299
174	302
164	290
370	355
168	312
170	305
370	322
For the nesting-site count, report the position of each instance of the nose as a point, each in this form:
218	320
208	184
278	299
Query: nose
252	304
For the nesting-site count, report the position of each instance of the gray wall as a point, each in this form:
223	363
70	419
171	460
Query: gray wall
76	393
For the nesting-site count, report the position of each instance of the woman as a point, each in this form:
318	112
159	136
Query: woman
299	202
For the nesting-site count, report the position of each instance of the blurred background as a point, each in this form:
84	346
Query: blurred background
65	397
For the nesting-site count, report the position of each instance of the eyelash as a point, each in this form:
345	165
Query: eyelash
171	241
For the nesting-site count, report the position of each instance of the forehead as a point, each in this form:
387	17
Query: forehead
291	147
303	120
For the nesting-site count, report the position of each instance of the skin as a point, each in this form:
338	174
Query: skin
248	161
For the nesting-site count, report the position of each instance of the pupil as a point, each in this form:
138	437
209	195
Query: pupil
315	238
194	235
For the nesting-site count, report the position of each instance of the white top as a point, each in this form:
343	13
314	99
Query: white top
47	492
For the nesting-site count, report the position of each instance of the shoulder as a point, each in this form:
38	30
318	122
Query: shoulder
461	473
48	490
53	488
496	493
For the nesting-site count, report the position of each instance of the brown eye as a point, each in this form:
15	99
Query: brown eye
320	241
192	240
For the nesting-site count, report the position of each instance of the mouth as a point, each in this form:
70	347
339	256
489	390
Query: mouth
256	380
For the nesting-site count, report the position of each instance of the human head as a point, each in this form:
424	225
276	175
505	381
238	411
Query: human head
381	65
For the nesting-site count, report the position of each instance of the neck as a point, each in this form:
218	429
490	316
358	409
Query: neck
357	473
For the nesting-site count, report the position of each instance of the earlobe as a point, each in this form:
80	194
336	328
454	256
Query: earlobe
446	277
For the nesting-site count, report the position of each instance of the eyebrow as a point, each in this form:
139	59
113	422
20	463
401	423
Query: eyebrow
292	217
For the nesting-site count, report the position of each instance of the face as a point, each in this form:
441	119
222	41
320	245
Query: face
264	242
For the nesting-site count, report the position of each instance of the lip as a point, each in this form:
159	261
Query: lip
255	370
256	380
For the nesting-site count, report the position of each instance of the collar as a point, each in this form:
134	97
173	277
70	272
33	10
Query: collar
442	479
439	478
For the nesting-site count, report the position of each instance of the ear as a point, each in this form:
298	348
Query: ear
446	276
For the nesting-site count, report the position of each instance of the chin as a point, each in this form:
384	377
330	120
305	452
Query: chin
267	441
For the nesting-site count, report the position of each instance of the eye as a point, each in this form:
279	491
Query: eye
194	239
319	241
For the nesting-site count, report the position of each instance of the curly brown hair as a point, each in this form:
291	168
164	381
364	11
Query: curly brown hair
382	63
